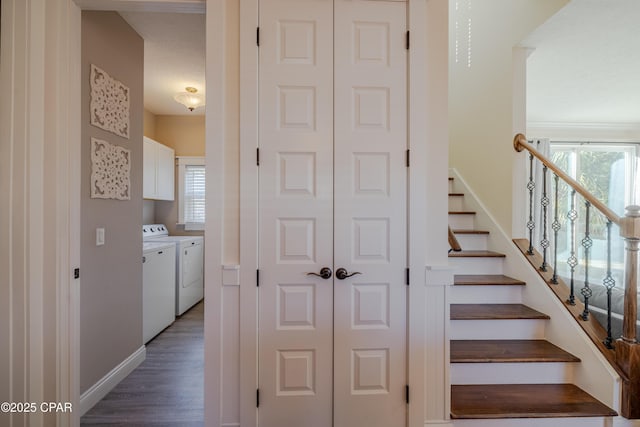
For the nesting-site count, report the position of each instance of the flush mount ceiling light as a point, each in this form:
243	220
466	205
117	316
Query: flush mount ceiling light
190	99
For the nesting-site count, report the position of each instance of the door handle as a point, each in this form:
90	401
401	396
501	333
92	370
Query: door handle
325	273
342	273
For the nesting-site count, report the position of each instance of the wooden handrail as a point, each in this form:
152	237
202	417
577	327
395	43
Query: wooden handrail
453	242
520	143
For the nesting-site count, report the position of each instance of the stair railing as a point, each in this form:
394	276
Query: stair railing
626	347
454	245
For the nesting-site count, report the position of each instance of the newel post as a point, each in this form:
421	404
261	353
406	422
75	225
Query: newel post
627	347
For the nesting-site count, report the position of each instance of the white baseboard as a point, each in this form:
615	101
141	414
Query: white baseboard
100	389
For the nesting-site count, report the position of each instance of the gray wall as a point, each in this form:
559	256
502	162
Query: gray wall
111	292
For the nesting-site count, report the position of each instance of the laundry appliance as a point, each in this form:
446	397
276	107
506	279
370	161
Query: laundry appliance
189	283
158	287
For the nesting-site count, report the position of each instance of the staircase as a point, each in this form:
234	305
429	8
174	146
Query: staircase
503	371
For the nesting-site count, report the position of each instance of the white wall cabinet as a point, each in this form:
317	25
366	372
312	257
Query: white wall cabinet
159	171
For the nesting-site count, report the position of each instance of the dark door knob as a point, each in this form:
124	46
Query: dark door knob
325	273
342	273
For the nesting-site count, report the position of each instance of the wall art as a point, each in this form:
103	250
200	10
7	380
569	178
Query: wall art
109	103
110	171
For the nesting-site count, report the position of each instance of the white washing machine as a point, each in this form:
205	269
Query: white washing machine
158	288
189	264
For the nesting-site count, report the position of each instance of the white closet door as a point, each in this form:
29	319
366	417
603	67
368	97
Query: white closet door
370	213
296	213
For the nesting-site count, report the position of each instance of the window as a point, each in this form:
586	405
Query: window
191	192
608	171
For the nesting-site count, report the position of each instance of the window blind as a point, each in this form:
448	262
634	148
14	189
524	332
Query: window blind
194	192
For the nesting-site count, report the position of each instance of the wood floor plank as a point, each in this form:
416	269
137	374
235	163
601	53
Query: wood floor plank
524	401
486	279
167	389
494	311
508	351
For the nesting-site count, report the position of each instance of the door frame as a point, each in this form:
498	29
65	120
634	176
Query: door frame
42	34
427	21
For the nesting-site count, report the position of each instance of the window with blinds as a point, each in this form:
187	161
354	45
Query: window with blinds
194	194
191	192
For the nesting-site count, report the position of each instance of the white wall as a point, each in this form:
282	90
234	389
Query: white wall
481	94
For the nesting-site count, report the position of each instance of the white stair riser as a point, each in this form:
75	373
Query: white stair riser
472	242
512	329
451	186
462	222
486	294
514	373
534	422
466	265
456	203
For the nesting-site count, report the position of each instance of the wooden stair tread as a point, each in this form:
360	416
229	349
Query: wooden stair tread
462	213
494	312
476	254
456	194
450	178
470	232
485	279
507	351
524	401
592	327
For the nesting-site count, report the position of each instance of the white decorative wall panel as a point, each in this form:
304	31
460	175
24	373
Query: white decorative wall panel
295	372
297	174
372	174
371	240
370	306
371	43
297	42
370	371
230	353
296	307
371	108
297	109
109	103
110	171
296	240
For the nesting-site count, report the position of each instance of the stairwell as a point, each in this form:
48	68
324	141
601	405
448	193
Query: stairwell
503	371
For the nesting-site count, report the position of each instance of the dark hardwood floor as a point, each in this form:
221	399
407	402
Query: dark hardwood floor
167	389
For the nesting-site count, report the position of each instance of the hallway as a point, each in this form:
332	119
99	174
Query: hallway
167	388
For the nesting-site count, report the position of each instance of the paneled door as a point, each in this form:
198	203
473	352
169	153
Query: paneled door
332	140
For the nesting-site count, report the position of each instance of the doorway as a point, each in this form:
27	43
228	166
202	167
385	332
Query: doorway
332	213
105	353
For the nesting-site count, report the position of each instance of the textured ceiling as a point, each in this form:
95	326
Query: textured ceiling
586	64
174	57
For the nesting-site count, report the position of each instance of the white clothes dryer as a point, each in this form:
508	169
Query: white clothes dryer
189	264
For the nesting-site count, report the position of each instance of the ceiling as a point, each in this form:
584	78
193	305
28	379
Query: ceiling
585	67
174	58
586	64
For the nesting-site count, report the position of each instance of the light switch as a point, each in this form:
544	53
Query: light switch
99	236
